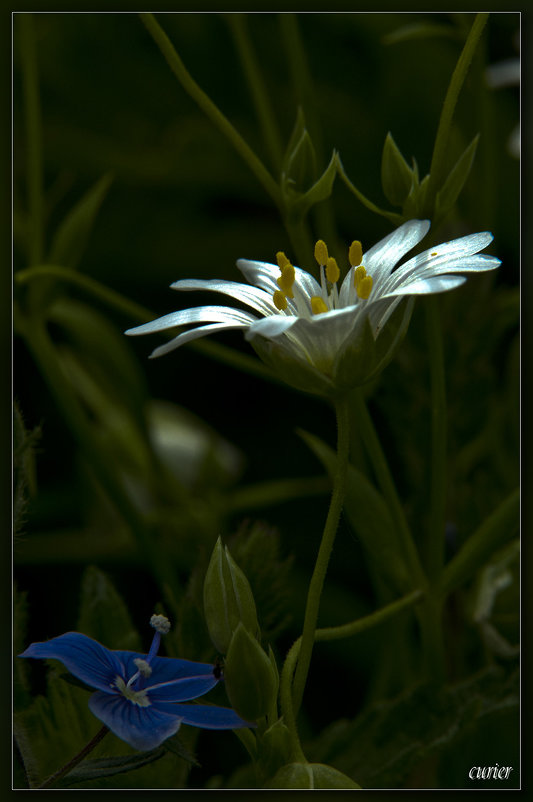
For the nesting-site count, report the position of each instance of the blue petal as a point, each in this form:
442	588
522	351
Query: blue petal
210	717
143	728
165	669
180	690
84	657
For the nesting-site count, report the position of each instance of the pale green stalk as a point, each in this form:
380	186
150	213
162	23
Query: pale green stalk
263	108
211	110
440	150
342	410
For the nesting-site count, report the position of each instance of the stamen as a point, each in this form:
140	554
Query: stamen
332	270
286	280
145	669
139	698
321	252
364	288
318	306
358	275
280	300
355	254
160	623
282	260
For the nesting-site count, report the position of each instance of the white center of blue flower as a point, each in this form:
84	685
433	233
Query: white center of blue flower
136	697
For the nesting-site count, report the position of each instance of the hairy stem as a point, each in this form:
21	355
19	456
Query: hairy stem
330	530
75	760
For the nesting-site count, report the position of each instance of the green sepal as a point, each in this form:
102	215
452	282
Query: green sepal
321	189
250	679
274	749
396	175
71	237
364	356
301	166
452	187
310	776
228	599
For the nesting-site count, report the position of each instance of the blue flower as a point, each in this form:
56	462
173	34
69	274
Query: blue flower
139	696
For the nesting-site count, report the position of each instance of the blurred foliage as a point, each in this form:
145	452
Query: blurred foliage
127	471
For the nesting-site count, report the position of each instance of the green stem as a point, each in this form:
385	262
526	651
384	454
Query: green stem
75	760
393	217
34	166
220	353
265	115
440	149
342	410
210	109
369	621
40	345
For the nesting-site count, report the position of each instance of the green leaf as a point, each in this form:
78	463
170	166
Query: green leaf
73	233
396	175
310	776
99	768
452	187
103	614
496	530
369	517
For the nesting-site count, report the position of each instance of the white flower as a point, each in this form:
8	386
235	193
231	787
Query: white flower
322	336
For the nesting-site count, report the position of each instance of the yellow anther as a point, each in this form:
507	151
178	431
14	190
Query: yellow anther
364	288
434	253
286	280
321	252
282	260
332	270
358	275
280	301
317	305
355	254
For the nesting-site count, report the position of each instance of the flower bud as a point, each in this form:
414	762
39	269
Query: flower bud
228	599
250	678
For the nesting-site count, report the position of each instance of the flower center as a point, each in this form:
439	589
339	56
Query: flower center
329	276
139	698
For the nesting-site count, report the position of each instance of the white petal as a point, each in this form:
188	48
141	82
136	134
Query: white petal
198	314
427	286
383	257
261	274
265	275
457	256
258	299
271	326
194	334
